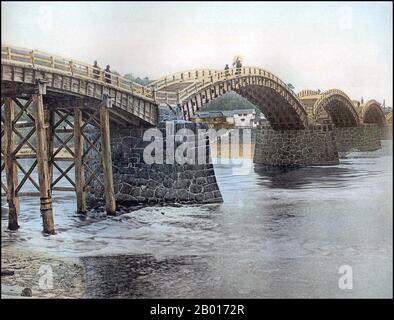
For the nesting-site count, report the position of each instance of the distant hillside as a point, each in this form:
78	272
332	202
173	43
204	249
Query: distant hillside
229	101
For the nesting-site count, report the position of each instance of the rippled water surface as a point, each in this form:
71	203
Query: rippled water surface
277	234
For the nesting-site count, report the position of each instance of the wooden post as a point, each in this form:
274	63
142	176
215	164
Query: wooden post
11	168
79	168
43	163
49	120
106	157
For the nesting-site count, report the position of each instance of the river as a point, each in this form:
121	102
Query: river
278	234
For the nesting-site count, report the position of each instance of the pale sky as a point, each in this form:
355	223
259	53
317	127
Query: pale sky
311	45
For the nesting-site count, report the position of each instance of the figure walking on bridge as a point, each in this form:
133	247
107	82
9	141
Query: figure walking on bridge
107	74
237	62
226	70
96	70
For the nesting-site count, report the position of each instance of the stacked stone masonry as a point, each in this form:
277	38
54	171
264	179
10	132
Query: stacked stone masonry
387	132
295	147
363	138
137	182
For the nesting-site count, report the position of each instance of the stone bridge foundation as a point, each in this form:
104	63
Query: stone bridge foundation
386	132
363	138
314	146
138	182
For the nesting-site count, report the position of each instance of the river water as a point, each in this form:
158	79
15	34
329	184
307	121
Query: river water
278	234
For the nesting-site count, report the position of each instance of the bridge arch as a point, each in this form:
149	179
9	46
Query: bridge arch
272	97
339	108
373	113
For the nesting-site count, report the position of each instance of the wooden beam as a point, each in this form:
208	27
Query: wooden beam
79	167
49	120
11	169
43	164
27	175
106	157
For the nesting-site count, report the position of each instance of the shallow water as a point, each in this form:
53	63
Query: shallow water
277	234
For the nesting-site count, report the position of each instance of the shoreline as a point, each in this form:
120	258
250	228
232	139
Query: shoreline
22	269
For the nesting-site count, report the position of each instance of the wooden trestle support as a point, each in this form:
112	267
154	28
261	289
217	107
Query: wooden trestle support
44	131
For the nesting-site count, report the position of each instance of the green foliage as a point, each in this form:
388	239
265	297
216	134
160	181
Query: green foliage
143	81
229	101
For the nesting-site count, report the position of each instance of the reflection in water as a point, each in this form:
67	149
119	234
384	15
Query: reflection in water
296	178
277	234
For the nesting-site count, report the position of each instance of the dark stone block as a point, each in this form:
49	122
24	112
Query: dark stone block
136	191
160	193
185	175
147	193
208	195
200	173
181	184
126	199
170	195
152	184
168	183
211	187
211	179
126	189
217	194
142	173
194	188
201	180
182	195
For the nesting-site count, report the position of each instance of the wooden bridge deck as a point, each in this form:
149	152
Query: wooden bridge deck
68	80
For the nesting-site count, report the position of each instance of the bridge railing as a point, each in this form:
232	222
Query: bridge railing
328	93
335	91
184	76
39	59
307	93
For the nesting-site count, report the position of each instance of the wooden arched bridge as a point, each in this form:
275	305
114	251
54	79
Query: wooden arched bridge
55	100
193	89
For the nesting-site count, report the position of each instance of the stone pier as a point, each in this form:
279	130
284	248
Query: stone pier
363	138
314	146
387	132
138	182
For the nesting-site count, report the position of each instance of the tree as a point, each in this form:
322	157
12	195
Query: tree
139	80
129	76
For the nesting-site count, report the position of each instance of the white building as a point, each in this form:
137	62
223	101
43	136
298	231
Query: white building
244	118
239	118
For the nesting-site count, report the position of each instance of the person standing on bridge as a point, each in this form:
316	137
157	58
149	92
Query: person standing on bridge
96	70
238	65
226	70
107	74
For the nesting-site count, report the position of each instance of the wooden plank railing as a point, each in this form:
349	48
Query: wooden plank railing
184	76
39	59
308	93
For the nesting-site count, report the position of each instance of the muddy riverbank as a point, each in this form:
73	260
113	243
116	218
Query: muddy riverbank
25	269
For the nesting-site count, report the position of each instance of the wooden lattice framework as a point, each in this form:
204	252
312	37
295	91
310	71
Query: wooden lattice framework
49	131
